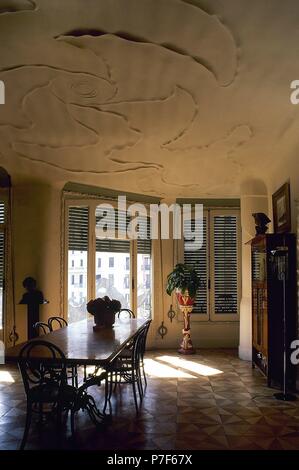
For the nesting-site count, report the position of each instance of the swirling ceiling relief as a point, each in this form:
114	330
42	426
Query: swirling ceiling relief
73	99
130	92
13	6
222	66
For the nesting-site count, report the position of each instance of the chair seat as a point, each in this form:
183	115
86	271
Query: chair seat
49	393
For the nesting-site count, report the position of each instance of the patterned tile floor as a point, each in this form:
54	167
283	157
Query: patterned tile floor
208	401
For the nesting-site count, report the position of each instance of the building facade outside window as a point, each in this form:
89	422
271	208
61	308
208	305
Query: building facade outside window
116	263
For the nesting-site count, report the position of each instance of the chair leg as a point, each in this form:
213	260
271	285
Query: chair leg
144	375
139	384
75	375
116	381
107	390
27	426
135	393
140	378
110	385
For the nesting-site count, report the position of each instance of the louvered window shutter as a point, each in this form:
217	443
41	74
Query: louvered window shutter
78	228
2	212
112	218
198	259
144	244
225	264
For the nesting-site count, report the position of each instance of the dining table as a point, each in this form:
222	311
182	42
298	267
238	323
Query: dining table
82	345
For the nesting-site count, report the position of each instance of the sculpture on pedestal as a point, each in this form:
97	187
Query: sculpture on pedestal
33	298
261	221
185	281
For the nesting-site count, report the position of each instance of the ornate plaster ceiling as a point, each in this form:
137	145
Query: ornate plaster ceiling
167	97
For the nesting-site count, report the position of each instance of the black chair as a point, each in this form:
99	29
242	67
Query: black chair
41	328
129	366
61	322
73	370
143	347
125	313
45	382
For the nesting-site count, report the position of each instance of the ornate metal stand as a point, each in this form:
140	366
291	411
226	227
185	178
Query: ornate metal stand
85	401
186	308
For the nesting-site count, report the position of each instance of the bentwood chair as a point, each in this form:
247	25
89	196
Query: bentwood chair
143	347
45	383
62	323
47	390
129	368
41	328
58	320
125	313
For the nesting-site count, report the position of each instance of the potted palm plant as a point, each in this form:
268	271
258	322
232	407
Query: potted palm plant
185	281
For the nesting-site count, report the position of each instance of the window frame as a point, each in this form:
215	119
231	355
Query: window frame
211	316
92	204
228	317
4	196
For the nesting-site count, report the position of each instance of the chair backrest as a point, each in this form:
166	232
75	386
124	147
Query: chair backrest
125	313
139	343
144	337
59	320
41	328
42	364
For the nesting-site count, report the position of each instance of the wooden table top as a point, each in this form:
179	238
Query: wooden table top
81	345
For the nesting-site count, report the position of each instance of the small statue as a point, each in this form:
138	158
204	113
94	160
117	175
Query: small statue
261	221
33	298
33	295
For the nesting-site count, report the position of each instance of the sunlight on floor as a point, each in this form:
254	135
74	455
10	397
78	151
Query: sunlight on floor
190	366
156	369
6	377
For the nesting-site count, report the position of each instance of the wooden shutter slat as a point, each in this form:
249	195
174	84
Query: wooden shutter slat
225	264
78	228
198	260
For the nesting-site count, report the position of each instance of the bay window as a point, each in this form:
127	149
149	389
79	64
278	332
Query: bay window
115	266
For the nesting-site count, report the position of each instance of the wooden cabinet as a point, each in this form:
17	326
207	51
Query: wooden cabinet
273	260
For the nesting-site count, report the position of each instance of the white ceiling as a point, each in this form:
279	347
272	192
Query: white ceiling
166	97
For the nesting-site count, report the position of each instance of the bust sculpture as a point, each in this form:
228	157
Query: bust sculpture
261	221
33	295
33	298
